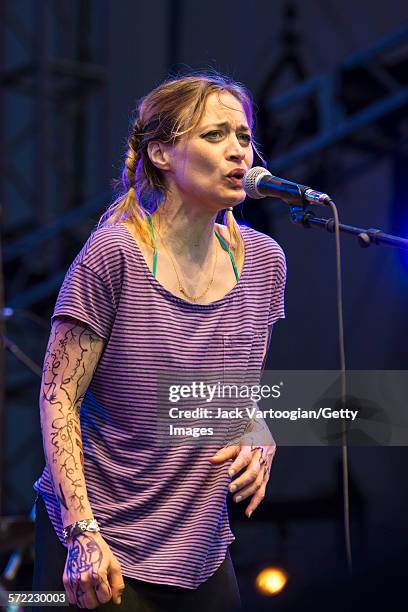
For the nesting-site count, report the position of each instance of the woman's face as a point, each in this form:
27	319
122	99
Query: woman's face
203	162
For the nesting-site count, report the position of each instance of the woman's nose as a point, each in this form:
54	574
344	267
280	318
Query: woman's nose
235	149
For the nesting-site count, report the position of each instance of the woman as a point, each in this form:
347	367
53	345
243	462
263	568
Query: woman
158	287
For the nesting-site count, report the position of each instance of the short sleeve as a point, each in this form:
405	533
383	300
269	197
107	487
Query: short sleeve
277	307
84	296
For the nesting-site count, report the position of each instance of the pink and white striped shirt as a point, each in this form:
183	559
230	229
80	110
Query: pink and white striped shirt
162	509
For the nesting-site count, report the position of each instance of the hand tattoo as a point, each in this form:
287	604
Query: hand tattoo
84	556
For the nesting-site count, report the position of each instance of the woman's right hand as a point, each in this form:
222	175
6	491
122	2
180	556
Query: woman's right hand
92	574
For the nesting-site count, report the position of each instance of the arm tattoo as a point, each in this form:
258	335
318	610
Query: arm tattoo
71	358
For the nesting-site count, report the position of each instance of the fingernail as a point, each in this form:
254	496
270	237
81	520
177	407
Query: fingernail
249	514
232	488
238	499
119	600
231	472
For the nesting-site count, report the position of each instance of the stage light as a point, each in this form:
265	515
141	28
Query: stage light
271	581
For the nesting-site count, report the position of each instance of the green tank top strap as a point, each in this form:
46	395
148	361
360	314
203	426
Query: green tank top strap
154	246
223	243
225	246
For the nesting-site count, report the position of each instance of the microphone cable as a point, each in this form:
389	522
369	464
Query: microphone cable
345	459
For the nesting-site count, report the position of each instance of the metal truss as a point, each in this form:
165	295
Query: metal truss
359	107
54	123
54	155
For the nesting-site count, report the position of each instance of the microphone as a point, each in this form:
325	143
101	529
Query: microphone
259	183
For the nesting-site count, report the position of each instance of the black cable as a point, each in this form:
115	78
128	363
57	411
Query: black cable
345	465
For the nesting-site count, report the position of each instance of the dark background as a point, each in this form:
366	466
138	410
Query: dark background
71	74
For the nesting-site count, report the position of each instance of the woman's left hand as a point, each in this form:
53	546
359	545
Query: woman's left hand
257	460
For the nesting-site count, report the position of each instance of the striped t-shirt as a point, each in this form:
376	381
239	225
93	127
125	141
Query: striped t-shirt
162	508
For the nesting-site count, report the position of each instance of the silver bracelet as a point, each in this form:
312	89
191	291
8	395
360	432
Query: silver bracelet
80	527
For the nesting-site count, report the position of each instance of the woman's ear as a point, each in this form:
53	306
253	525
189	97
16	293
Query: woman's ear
158	154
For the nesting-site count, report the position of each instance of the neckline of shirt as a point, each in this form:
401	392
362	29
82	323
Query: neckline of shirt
175	298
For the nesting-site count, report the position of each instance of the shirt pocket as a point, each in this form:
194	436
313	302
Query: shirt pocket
243	357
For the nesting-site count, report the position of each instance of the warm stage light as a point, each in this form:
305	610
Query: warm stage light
271	581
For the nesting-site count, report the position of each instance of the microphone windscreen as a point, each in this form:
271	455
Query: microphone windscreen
250	181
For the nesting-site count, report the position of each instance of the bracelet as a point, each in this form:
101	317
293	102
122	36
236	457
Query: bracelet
80	527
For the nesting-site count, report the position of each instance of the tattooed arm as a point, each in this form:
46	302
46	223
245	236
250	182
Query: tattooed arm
72	355
92	573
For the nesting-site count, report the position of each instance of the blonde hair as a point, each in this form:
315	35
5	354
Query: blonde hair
171	110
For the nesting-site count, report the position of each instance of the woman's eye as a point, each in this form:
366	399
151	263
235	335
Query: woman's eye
213	134
245	137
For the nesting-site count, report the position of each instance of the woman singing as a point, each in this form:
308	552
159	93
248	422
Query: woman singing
122	517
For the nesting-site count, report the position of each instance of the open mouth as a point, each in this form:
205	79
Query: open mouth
236	176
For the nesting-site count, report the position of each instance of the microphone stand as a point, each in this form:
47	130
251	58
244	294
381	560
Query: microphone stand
366	237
